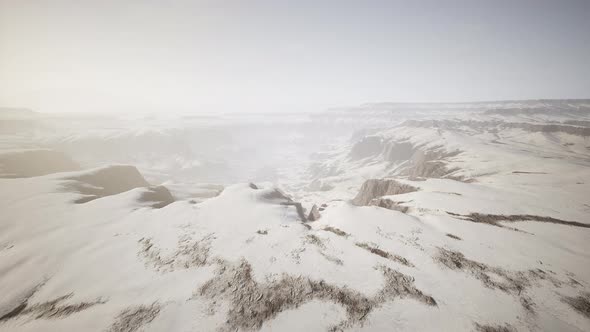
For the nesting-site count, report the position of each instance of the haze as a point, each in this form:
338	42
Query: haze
206	56
259	166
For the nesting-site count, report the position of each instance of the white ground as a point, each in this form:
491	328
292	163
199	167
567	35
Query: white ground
97	251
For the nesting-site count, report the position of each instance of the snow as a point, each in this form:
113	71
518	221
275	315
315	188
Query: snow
118	253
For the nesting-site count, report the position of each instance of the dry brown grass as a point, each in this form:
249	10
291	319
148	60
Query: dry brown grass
580	303
508	282
494	328
335	230
190	253
252	303
512	282
496	219
52	309
134	318
385	254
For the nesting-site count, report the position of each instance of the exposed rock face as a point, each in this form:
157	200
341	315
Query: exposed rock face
366	147
314	214
398	151
29	163
279	197
376	188
430	164
110	180
159	196
422	162
253	186
389	204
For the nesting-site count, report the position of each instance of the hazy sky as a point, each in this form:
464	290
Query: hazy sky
287	55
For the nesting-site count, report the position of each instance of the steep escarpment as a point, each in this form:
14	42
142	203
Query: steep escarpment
409	159
431	163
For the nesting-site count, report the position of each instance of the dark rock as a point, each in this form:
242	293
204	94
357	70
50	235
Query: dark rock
277	196
314	214
159	196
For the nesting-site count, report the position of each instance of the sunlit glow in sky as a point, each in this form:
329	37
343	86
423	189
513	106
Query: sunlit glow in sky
206	56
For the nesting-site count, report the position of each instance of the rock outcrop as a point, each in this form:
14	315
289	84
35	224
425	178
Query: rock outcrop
389	204
376	188
277	196
158	196
431	164
314	214
418	161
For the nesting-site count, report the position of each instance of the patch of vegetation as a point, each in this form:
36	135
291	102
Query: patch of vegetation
52	309
335	231
252	303
385	254
495	219
494	328
134	318
580	303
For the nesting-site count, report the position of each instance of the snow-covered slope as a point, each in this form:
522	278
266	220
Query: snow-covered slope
460	218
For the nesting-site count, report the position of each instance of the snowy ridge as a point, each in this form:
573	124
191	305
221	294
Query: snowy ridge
436	217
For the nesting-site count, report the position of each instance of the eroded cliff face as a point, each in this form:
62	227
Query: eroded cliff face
376	188
411	159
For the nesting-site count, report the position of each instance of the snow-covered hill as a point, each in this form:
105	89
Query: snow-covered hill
404	217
